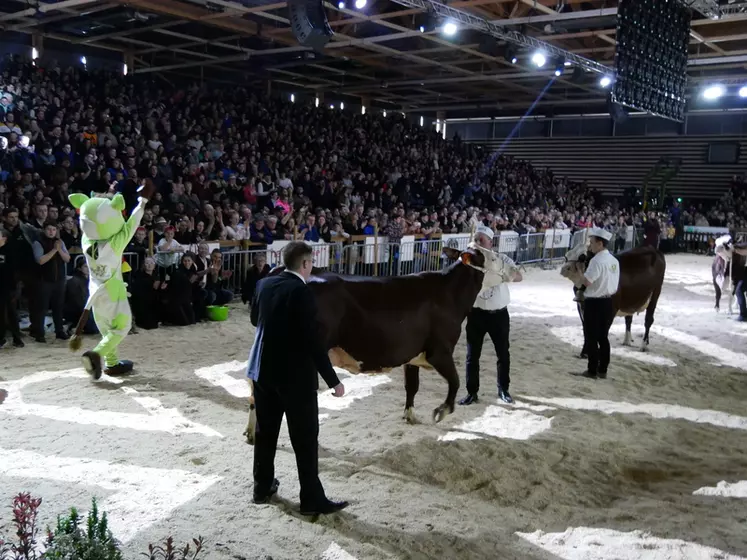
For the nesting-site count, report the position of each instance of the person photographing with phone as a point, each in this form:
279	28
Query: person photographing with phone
284	360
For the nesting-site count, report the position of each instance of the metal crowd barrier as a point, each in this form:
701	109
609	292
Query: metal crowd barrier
133	259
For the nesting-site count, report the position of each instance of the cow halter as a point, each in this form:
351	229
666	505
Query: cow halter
480	268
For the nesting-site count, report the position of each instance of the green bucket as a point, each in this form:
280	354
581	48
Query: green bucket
217	312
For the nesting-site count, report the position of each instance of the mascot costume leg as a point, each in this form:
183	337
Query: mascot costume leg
105	237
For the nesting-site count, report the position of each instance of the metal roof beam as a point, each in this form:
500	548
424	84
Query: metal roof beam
468	20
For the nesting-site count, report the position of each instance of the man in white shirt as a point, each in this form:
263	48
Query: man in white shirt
601	280
489	315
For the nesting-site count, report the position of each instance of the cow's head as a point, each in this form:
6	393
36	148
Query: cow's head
575	264
495	269
724	247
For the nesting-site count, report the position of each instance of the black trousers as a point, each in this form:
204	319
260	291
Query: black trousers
48	293
497	325
302	412
598	317
8	315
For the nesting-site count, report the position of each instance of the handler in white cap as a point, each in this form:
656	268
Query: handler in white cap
489	315
600	282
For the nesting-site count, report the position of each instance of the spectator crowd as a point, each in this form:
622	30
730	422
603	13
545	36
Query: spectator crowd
231	164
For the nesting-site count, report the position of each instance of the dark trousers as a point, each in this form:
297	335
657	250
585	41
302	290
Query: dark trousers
497	325
48	293
302	411
8	316
741	287
598	319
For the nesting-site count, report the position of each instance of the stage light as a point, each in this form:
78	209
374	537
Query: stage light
539	59
713	92
316	102
293	98
743	91
514	59
384	113
450	28
422	28
83	60
421	121
331	106
363	109
34	53
360	4
567	63
342	105
605	81
341	5
125	69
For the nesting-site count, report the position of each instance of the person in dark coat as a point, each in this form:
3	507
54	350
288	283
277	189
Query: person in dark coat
8	317
256	272
145	287
177	303
217	279
76	296
283	364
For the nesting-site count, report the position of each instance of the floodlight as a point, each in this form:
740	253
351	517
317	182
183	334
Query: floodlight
360	4
713	92
539	59
605	81
450	28
743	91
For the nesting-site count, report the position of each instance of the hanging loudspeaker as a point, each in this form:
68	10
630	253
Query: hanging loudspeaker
309	23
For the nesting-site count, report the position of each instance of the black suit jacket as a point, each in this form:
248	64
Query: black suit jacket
287	350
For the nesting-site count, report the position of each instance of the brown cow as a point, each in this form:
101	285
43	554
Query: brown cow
373	325
641	277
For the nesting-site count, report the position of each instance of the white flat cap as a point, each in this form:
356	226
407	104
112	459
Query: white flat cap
485	230
600	233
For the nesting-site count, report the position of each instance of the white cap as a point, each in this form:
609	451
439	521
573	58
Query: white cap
485	230
600	233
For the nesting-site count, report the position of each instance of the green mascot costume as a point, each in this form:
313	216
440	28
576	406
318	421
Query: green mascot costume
105	237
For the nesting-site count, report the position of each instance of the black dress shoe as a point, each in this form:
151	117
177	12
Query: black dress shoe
504	396
264	497
40	339
18	343
585	374
62	336
471	398
602	375
325	508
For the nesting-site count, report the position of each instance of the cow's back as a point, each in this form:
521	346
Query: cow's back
641	276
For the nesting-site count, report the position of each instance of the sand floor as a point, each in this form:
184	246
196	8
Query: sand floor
648	464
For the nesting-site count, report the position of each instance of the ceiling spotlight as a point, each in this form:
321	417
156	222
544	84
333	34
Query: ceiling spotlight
341	5
539	59
450	28
422	28
713	92
567	63
558	72
83	60
605	81
360	4
743	91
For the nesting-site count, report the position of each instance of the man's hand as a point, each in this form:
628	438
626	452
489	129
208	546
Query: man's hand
339	390
58	245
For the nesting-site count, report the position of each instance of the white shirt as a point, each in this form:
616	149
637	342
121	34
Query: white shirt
604	274
497	297
296	274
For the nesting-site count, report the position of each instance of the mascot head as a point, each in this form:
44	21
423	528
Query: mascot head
100	218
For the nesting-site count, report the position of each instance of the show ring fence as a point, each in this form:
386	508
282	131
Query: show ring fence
379	256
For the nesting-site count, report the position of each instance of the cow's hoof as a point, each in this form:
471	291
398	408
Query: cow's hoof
440	413
644	347
410	416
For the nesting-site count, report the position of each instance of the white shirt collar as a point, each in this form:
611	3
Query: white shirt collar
296	274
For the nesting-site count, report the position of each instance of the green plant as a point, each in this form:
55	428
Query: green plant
71	542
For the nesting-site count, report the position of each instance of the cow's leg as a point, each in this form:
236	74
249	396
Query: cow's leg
650	316
252	422
628	335
580	309
412	384
718	295
444	364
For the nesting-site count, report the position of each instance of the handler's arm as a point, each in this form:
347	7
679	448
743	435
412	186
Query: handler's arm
593	272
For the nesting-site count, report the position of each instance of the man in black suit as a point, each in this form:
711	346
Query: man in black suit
285	358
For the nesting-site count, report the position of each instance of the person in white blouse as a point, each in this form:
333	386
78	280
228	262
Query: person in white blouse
168	250
489	316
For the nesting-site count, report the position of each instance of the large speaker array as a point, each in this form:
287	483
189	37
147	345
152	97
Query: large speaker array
309	23
651	57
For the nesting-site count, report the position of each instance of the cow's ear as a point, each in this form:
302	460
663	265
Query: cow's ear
451	253
466	257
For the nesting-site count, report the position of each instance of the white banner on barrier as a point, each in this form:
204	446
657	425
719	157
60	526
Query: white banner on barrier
407	248
320	248
508	241
370	250
557	238
193	247
629	233
456	240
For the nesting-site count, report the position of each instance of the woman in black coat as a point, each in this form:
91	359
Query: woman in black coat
177	305
146	289
256	272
